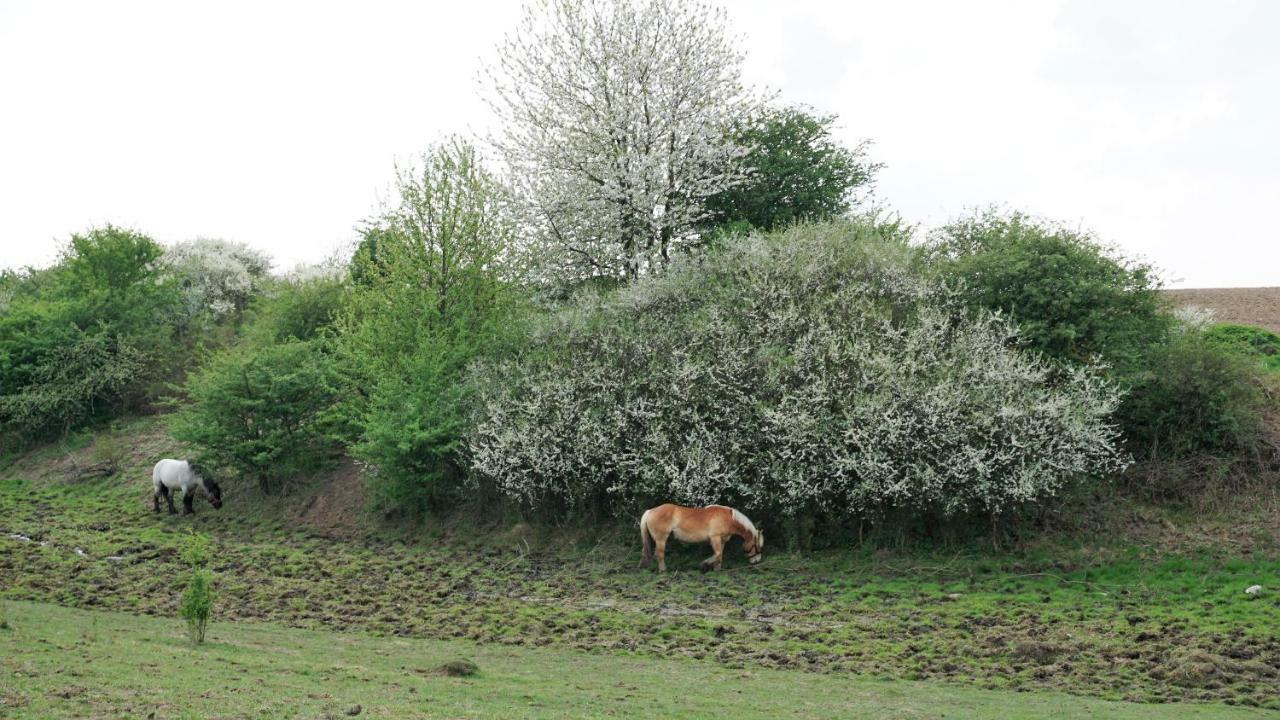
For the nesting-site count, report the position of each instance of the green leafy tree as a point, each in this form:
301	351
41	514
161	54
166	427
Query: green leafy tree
434	289
115	278
1076	300
796	172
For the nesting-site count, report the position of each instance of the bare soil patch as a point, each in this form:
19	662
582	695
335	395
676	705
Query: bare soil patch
337	507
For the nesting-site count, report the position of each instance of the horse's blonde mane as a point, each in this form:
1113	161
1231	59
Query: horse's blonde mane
744	522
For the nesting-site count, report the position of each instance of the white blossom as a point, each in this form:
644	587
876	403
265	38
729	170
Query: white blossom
1192	318
216	276
615	117
808	370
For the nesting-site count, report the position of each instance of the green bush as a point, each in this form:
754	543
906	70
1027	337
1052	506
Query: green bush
89	338
197	600
295	309
1076	300
413	424
1072	297
1251	342
93	377
268	413
1193	397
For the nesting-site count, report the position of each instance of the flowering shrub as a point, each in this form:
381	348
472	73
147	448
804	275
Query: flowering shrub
217	276
801	370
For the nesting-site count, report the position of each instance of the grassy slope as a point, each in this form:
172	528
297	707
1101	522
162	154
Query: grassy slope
1102	617
72	663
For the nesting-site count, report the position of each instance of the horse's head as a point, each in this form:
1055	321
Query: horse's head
755	549
215	492
210	486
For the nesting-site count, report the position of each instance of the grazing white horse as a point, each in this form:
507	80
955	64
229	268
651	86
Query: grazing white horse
170	476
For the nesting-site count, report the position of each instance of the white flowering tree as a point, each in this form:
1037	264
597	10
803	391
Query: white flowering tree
615	127
811	370
216	276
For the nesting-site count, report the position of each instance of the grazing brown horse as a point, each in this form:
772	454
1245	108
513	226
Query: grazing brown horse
714	524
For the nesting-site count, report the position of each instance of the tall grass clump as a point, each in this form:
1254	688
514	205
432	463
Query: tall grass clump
812	371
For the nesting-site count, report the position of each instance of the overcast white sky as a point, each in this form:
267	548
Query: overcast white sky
1154	122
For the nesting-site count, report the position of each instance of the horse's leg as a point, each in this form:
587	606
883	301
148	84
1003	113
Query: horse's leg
717	551
660	551
155	500
168	497
188	507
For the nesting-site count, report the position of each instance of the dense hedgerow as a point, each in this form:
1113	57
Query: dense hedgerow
811	370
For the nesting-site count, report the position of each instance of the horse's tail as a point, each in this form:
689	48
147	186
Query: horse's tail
644	538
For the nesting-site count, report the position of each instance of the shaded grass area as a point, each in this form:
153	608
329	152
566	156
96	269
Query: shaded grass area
1107	618
60	662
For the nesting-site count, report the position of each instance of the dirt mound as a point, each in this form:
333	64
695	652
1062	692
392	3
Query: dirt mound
337	506
1259	306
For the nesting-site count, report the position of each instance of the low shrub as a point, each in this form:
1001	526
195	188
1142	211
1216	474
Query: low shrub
1194	396
806	371
1256	343
197	600
268	413
92	377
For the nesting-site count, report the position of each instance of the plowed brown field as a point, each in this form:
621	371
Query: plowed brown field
1258	306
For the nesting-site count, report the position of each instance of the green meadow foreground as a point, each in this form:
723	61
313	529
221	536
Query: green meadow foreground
60	662
316	613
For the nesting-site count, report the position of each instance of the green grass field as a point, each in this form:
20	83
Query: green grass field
1100	616
60	662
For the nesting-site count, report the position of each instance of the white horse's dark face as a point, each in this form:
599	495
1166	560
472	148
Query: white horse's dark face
215	492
